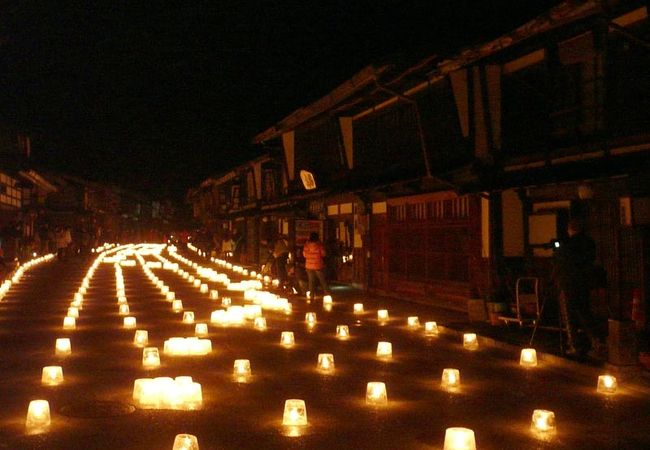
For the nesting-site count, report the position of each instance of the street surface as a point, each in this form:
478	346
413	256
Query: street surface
93	408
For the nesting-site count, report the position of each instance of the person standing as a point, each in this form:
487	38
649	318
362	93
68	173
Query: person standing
280	255
314	253
574	272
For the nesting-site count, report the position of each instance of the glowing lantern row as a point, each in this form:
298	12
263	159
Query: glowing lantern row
191	346
52	375
458	438
185	442
168	393
141	338
376	394
384	349
63	347
150	357
295	413
528	357
325	362
38	416
470	341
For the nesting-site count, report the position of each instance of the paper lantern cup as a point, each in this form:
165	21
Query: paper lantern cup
458	438
413	322
52	375
607	384
185	442
241	369
470	341
543	421
259	323
376	394
129	322
384	349
63	347
382	315
38	416
141	338
150	357
342	331
201	330
450	379
295	413
431	328
69	323
325	362
287	339
358	308
528	357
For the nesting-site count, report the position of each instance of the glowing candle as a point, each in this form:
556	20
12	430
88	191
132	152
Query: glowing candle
325	362
260	323
458	438
607	384
295	413
327	299
470	342
188	317
242	369
201	329
287	339
177	306
38	416
528	357
384	349
141	338
431	328
382	315
543	421
63	347
413	322
52	375
129	322
185	442
450	379
214	294
376	394
69	323
342	331
150	357
124	310
358	308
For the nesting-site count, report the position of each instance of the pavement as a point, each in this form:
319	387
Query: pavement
94	409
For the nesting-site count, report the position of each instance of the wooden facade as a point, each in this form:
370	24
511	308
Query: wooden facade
442	178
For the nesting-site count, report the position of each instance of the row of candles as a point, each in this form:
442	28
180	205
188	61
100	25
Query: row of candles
543	421
38	411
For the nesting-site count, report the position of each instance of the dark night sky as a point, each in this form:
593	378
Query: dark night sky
156	97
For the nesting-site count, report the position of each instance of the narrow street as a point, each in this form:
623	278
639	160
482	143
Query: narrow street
94	409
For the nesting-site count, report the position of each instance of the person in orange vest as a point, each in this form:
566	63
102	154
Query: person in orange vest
314	253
